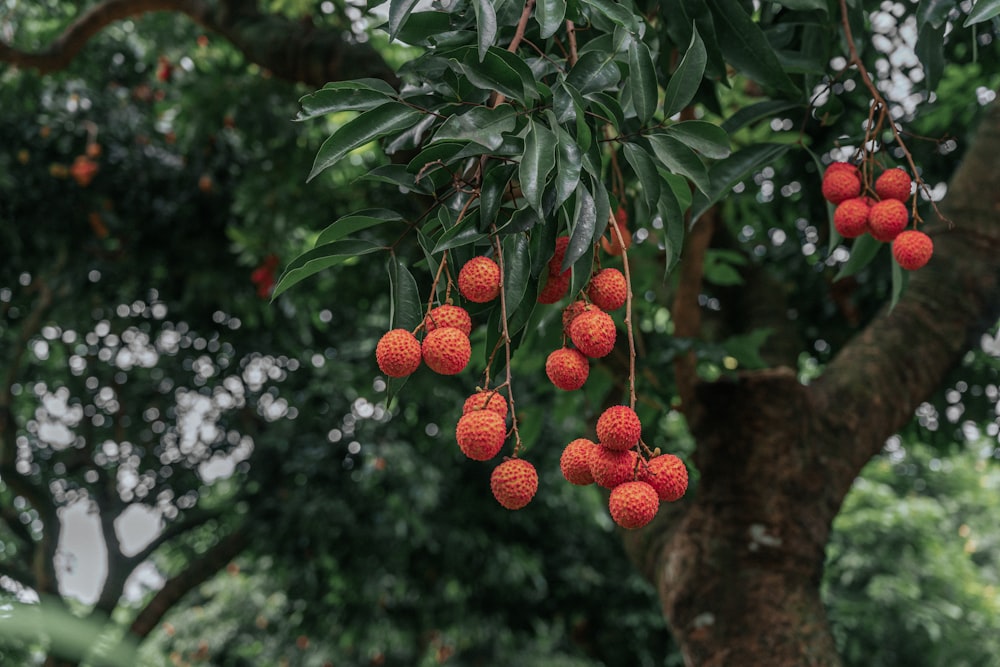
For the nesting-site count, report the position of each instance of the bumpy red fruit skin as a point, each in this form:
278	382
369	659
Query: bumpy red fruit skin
611	467
575	461
593	333
555	262
514	483
633	504
486	400
448	316
850	218
841	166
893	184
887	219
912	249
479	280
618	427
398	353
571	311
667	474
480	434
567	368
840	185
446	350
608	289
556	287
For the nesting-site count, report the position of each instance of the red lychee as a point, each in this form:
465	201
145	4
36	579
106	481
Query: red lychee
608	289
572	310
887	219
593	333
398	353
479	280
575	461
446	350
841	166
667	474
893	184
448	315
556	287
840	185
514	483
912	249
633	504
486	400
850	218
567	368
556	261
612	245
481	434
618	427
611	467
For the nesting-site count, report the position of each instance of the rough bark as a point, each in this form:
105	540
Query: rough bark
738	565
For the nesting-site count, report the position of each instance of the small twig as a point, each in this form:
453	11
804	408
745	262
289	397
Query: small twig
506	339
628	311
571	35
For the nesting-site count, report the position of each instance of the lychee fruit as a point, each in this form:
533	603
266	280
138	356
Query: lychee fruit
556	261
514	483
575	461
567	368
912	249
486	400
618	427
611	467
840	185
633	504
850	218
446	350
608	289
448	315
893	184
612	245
398	353
479	280
593	333
887	219
667	474
556	287
481	434
572	310
841	166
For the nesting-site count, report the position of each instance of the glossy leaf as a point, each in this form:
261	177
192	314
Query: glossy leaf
707	138
486	25
744	45
461	234
550	15
724	174
399	10
933	12
494	186
680	159
357	95
644	168
593	72
405	308
751	114
641	82
370	125
862	253
582	227
930	52
517	270
348	224
805	5
983	10
482	125
687	77
323	257
537	163
617	13
687	14
570	163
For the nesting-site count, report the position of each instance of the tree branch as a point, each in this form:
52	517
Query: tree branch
291	49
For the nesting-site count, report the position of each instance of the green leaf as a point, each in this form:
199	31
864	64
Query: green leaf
755	112
536	164
430	29
983	10
357	95
550	15
517	270
593	72
348	224
744	45
581	239
669	208
498	71
862	253
681	189
685	14
643	166
486	25
933	12
370	125
482	125
724	174
618	14
491	193
602	206
399	10
405	308
687	77
930	52
680	159
322	257
464	233
707	138
805	5
642	81
900	279
394	174
570	164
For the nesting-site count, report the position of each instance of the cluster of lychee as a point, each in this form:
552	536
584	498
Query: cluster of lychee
619	461
885	217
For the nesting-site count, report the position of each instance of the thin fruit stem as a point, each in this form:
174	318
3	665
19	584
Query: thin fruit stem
506	338
437	278
628	311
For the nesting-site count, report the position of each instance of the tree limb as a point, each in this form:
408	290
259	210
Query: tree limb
291	49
